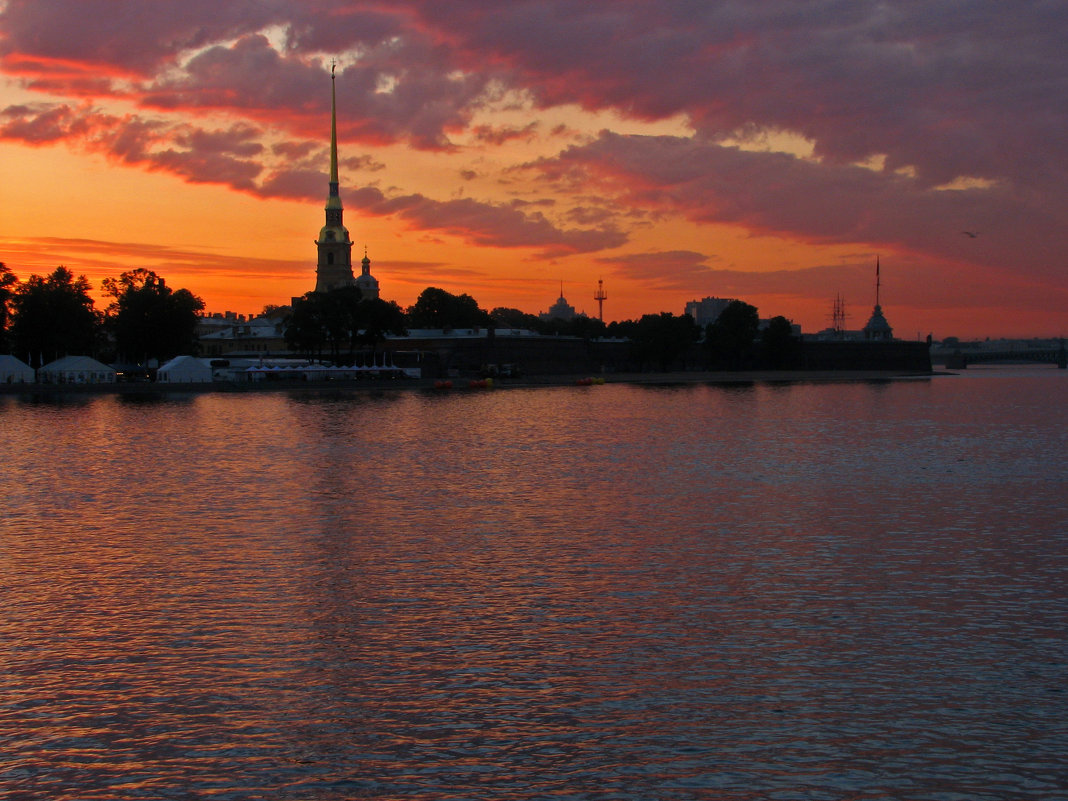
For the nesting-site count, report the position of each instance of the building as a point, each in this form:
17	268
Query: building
561	310
878	329
367	283
334	265
706	310
258	336
264	335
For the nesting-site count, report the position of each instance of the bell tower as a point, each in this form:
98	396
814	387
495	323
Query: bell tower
334	268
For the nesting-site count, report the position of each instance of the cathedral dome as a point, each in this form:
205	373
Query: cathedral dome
367	283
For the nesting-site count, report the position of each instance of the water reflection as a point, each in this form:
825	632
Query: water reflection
746	592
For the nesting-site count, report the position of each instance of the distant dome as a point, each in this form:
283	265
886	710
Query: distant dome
878	327
367	283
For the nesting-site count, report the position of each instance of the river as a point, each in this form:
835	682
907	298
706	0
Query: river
825	590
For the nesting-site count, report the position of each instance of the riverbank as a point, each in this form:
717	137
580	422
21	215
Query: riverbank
462	384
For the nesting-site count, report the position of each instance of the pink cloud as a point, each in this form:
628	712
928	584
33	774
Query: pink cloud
505	133
485	224
130	35
808	200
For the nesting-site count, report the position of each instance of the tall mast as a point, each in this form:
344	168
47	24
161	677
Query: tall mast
877	281
838	315
600	297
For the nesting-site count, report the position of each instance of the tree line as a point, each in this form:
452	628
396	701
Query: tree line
46	317
664	341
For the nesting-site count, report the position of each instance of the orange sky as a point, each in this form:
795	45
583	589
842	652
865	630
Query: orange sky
502	156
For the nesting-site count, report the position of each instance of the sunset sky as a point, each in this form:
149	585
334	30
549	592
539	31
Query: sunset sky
768	151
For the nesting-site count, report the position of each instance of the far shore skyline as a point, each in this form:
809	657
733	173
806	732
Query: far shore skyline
766	153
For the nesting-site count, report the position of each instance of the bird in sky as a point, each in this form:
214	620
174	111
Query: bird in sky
971	234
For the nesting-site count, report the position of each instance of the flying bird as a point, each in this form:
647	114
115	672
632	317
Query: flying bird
970	234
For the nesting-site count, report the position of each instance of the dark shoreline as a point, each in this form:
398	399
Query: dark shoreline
462	384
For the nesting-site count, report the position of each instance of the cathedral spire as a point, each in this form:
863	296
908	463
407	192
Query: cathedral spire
334	267
333	138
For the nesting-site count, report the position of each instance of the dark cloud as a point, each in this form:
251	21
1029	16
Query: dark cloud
804	199
490	135
128	35
38	124
946	88
396	92
485	224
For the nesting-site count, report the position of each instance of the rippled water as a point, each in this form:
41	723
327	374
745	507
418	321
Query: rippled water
764	591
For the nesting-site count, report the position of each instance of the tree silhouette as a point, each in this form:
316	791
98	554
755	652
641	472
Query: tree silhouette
778	345
306	325
148	319
8	285
505	317
661	339
339	322
53	317
325	322
378	318
730	338
436	308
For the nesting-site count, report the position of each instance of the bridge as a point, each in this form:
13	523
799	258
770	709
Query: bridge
959	360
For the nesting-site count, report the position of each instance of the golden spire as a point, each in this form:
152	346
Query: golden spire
333	135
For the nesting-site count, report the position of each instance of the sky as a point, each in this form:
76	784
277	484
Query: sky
674	149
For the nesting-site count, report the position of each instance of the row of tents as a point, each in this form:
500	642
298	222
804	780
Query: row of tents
181	370
68	370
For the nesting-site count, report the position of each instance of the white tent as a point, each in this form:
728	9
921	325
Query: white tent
184	370
76	370
15	371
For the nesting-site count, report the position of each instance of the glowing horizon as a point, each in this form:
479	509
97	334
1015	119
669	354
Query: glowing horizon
673	158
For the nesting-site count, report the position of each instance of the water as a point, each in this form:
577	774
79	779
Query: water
762	591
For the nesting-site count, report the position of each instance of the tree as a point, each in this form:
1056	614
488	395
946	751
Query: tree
505	317
436	308
8	286
730	338
377	318
305	326
340	321
150	320
778	345
663	338
325	322
586	327
622	329
53	317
